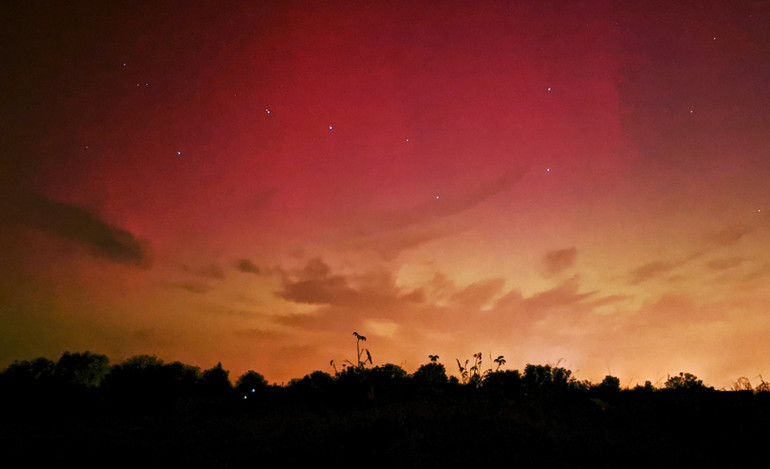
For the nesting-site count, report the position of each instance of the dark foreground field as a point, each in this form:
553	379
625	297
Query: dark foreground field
448	429
82	412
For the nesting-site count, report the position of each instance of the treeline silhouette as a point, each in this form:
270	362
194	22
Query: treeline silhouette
158	413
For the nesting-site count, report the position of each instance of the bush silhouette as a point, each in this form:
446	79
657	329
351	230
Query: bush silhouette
685	382
610	386
547	379
430	375
502	383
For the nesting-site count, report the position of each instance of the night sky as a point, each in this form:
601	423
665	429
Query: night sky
582	183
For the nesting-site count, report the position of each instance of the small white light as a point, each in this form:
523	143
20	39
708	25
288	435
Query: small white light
179	153
267	110
331	127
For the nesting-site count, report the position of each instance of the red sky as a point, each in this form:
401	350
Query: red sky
574	182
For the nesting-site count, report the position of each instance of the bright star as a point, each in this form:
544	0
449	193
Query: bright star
331	127
267	110
179	153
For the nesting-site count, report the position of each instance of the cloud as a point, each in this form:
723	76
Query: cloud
345	301
727	263
77	224
315	285
559	260
478	294
650	271
561	298
729	235
246	266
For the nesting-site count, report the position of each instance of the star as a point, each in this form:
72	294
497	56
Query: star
547	170
179	153
549	88
267	110
331	127
437	197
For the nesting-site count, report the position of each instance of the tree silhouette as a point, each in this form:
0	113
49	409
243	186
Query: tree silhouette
548	379
82	369
433	358
251	384
215	382
610	383
28	379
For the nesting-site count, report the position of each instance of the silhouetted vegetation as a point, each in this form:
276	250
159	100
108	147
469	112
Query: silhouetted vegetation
174	414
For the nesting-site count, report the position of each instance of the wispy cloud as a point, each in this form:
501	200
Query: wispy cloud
77	224
390	231
729	235
651	270
725	263
451	203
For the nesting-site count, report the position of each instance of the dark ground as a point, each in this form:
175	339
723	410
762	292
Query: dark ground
630	429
